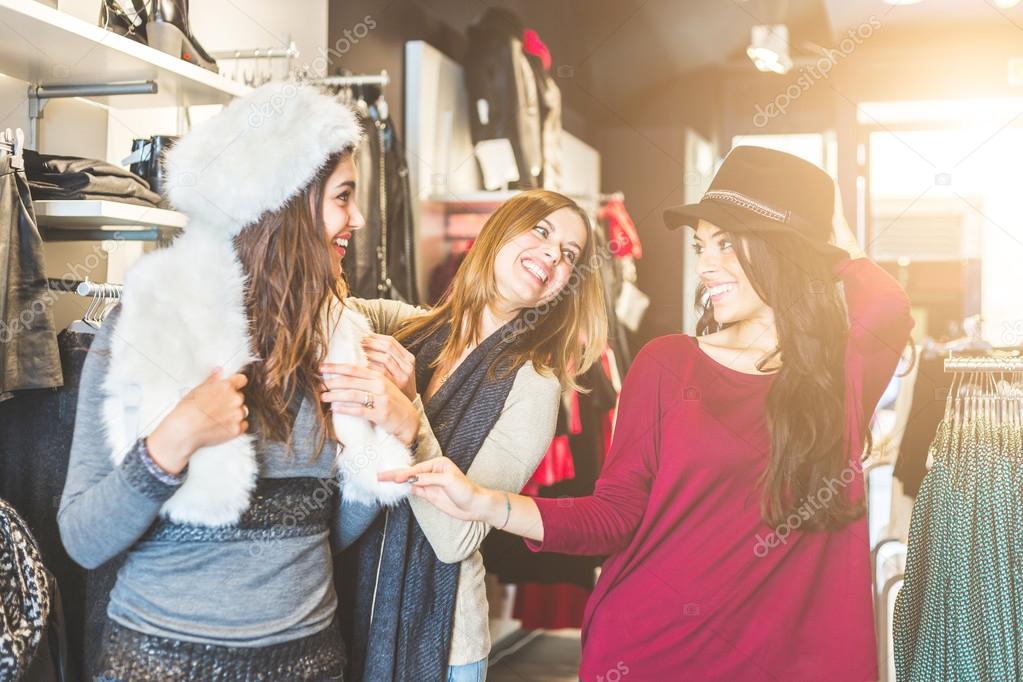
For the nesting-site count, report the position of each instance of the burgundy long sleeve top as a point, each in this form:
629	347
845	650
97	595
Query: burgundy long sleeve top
697	586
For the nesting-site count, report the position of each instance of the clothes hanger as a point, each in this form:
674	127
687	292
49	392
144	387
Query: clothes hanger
268	76
83	325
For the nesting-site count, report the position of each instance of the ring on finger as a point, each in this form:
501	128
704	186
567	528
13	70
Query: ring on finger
367	402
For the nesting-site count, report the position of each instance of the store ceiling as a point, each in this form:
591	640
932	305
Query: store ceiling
846	14
627	48
644	42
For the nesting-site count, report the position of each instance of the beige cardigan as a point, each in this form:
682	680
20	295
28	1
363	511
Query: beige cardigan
505	461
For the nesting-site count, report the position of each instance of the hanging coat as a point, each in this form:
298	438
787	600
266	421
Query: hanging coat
28	340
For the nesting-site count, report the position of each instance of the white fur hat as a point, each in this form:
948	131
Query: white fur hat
256	154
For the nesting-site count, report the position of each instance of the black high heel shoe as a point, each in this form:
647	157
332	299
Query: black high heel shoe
168	32
113	17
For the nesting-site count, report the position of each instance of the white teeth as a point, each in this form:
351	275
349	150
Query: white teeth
720	289
536	270
340	241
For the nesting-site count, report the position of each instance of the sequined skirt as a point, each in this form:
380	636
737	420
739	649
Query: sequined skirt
130	656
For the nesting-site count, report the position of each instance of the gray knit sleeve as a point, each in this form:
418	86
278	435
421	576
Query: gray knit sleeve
105	508
351	521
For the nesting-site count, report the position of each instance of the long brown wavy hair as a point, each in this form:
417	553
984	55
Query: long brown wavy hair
562	337
291	281
806	402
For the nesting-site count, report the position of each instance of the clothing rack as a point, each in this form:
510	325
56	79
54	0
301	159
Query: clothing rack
102	294
382	79
85	288
13	142
1000	362
289	52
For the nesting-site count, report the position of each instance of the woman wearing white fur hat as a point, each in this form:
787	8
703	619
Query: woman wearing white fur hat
201	447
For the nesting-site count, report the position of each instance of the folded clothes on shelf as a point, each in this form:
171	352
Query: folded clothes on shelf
52	176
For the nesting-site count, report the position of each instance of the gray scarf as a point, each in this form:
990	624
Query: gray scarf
408	638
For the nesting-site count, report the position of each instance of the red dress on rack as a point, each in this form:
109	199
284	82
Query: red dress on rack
693	589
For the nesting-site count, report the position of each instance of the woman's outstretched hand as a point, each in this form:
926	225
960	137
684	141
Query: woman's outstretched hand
442	483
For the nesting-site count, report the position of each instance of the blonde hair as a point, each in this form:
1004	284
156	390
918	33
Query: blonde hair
562	336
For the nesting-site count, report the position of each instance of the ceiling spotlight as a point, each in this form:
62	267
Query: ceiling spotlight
769	48
1006	4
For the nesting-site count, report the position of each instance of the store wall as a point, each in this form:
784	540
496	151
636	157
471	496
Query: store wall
568	31
641	145
643	149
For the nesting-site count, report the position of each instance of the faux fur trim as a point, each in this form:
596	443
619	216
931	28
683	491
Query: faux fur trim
256	154
365	449
182	315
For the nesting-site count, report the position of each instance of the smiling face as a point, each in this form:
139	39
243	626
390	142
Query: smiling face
341	215
535	265
732	295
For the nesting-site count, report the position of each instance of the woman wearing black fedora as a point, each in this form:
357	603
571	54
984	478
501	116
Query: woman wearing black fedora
731	502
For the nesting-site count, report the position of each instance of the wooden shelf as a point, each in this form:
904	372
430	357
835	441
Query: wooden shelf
45	46
90	215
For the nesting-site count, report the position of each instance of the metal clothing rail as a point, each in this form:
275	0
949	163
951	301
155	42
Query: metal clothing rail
39	95
289	52
382	79
1008	362
85	288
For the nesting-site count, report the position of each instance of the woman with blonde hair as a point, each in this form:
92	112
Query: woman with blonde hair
522	317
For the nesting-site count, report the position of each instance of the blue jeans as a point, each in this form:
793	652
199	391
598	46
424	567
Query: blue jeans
470	672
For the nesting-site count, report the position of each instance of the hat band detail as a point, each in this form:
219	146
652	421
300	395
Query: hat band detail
748	203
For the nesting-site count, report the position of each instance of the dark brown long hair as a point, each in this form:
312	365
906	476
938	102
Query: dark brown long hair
291	281
565	336
806	402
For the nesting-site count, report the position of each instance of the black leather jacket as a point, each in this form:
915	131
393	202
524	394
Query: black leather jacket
28	341
380	262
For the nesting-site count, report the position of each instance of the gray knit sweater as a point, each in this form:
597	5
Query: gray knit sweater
265	580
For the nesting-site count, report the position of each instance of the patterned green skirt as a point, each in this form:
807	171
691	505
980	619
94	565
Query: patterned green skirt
959	615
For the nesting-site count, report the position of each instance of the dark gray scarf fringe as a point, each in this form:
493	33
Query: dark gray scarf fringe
409	639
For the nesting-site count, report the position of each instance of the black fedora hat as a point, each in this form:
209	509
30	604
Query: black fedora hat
764	190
